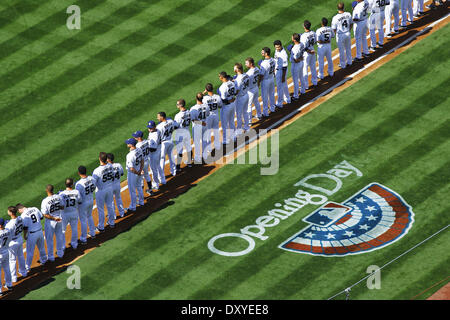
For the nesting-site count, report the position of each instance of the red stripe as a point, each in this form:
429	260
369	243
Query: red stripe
298	246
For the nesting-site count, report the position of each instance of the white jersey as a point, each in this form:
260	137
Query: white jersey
118	171
86	186
360	11
53	205
227	91
72	200
145	148
297	52
267	69
214	102
103	176
5	238
342	22
308	39
324	34
154	140
166	128
16	227
183	119
281	59
32	219
134	158
242	84
253	74
199	113
377	6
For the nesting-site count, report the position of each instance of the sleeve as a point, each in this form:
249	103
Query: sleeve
121	170
95	178
222	96
129	163
285	60
44	207
332	33
80	189
333	24
62	199
79	197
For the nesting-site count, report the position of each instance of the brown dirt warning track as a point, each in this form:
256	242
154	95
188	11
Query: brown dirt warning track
189	177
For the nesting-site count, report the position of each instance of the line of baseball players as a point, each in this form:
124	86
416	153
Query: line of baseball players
146	159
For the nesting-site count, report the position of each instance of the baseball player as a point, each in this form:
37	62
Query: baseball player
166	127
376	21
296	57
15	225
145	147
103	179
309	38
117	172
433	4
135	165
70	216
324	35
281	65
212	122
267	72
242	84
253	89
52	207
5	238
392	9
32	233
418	8
359	18
341	25
406	7
199	113
182	122
228	95
154	139
86	186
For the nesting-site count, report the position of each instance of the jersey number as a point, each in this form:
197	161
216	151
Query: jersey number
70	202
326	36
19	229
4	241
33	218
89	189
108	176
53	208
345	24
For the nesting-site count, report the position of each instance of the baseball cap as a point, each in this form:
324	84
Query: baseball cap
151	124
131	141
2	222
138	134
354	3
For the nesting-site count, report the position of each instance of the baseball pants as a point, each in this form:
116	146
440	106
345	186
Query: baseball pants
146	175
297	78
212	123
86	218
72	219
417	7
406	8
227	120
35	238
242	113
53	228
360	31
322	53
309	62
116	195
4	260
134	183
376	21
282	88
167	148
268	95
105	197
16	254
253	95
198	132
392	10
183	140
157	172
344	43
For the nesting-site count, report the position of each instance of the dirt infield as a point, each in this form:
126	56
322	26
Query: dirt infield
442	294
188	178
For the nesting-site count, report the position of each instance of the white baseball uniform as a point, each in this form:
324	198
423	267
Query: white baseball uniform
86	186
360	28
215	103
267	71
118	172
5	238
417	7
103	179
309	39
324	49
16	248
393	9
199	113
154	139
253	92
167	127
134	158
32	223
376	21
227	93
54	205
281	63
243	118
183	135
341	24
406	8
297	53
70	216
144	146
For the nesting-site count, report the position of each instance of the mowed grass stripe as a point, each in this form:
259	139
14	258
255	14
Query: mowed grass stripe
16	10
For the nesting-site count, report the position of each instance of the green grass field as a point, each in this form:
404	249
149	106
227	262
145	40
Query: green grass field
392	125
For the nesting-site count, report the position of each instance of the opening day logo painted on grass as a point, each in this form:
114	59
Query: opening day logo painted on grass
371	219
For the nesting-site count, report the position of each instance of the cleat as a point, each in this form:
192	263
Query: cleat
99	230
380	45
371	48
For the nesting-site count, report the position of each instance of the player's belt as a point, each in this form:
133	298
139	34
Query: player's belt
227	102
13	239
35	231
